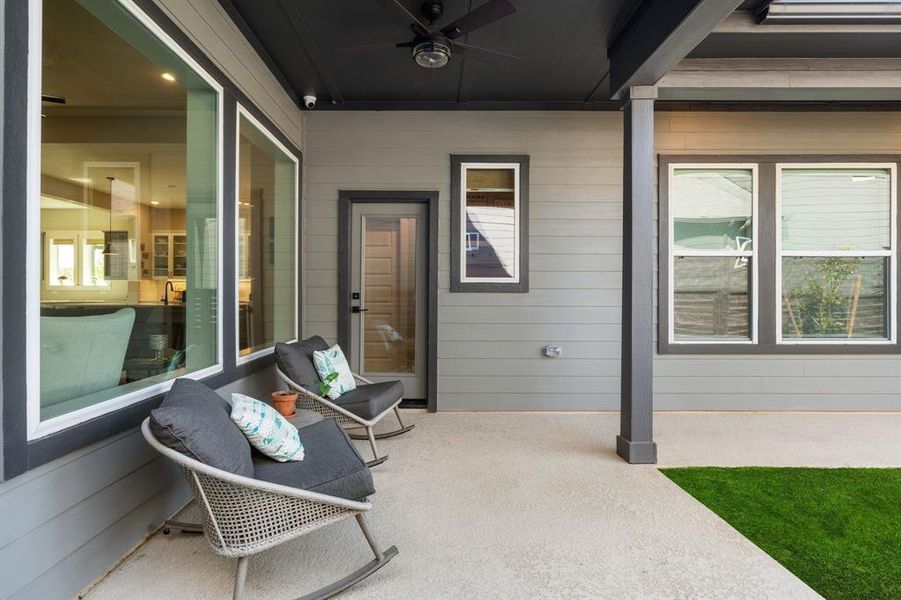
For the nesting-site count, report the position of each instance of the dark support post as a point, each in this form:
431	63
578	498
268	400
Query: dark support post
635	442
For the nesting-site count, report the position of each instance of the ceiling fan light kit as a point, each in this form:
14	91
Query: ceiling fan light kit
431	54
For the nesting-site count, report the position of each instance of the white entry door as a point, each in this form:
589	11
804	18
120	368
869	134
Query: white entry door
389	276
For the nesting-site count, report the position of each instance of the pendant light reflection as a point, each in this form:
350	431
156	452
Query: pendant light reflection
108	246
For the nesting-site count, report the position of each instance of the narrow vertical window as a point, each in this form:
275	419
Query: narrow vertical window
490	224
128	214
712	230
266	240
836	246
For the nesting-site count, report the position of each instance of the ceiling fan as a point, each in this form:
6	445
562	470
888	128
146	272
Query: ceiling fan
433	46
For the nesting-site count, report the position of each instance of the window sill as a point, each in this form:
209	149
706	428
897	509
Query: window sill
113	405
803	348
49	447
251	357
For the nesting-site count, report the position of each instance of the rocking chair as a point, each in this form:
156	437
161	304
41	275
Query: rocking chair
360	408
244	515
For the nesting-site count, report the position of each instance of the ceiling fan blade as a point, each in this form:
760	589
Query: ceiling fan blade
402	11
366	48
494	57
487	13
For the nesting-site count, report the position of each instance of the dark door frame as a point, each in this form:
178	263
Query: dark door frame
346	200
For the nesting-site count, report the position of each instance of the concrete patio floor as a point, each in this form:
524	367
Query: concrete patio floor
537	505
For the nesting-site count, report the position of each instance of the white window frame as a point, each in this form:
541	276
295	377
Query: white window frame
891	254
464	168
79	240
752	254
243	112
35	427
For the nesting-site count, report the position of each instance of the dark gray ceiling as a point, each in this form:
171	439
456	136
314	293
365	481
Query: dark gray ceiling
562	48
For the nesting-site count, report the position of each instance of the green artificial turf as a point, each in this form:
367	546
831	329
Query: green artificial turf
838	530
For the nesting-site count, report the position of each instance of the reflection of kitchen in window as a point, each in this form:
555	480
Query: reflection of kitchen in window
121	116
490	235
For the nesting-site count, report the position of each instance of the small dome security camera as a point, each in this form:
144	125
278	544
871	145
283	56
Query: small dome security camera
309	101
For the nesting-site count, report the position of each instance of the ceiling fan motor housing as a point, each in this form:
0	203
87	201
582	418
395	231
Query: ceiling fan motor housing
433	9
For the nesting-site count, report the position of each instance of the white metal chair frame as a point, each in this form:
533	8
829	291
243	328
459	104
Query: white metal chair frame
243	516
346	419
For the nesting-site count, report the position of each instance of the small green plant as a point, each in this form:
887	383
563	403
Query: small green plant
820	305
326	386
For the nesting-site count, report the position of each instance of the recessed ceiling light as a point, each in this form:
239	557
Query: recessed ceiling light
168	76
154	202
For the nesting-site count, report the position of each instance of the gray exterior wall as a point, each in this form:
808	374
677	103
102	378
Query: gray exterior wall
833	382
490	345
65	523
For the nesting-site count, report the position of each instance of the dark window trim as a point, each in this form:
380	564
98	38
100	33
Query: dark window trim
456	285
18	454
766	257
346	199
295	153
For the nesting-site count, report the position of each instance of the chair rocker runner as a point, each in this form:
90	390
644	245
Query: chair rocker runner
243	516
347	419
360	408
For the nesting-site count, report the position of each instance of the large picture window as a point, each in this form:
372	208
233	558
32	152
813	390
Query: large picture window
267	245
125	217
489	214
771	254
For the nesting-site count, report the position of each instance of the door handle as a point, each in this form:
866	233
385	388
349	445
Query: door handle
357	309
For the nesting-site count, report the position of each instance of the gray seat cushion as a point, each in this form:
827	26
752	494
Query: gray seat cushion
296	361
195	420
303	417
370	400
331	465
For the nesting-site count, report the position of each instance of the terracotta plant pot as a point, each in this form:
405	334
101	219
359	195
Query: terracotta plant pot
285	402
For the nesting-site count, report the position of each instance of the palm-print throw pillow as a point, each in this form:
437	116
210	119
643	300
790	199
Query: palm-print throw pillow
266	429
333	361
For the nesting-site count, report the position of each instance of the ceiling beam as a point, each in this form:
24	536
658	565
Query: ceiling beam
659	35
743	22
815	13
510	105
781	80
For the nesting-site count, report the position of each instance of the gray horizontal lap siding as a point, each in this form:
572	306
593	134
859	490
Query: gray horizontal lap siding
62	507
66	522
490	344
